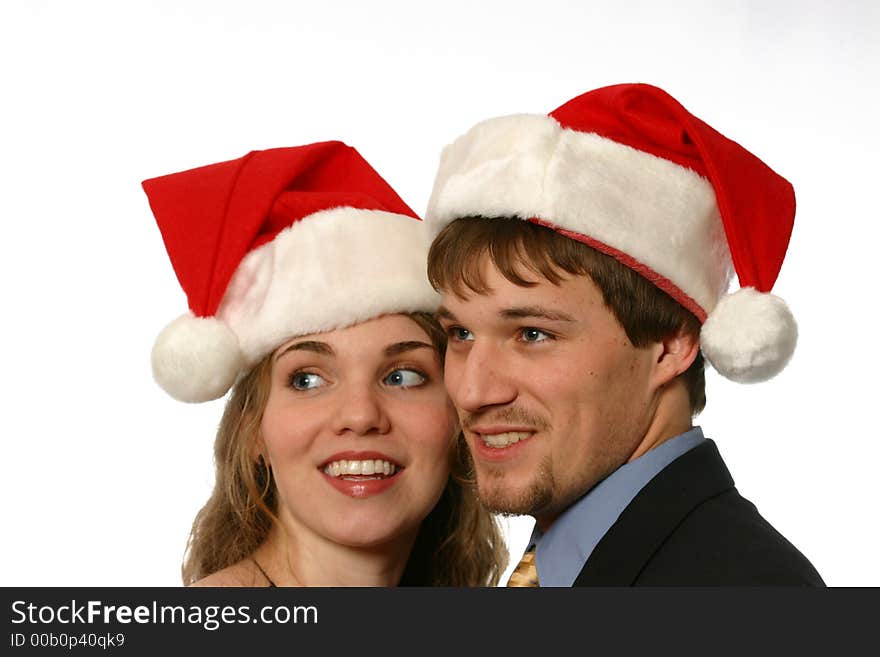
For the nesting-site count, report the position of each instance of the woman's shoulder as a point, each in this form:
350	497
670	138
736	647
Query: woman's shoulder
242	573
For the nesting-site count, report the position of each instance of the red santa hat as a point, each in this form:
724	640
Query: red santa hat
279	243
629	171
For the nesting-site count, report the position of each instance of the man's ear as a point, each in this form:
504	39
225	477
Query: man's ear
675	354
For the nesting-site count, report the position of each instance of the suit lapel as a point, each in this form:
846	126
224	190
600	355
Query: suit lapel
653	514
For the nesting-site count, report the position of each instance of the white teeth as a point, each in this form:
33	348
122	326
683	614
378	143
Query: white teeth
504	439
369	467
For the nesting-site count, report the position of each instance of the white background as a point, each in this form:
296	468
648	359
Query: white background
101	473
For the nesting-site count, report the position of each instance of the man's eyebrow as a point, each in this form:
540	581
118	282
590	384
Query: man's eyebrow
309	345
522	312
444	313
402	347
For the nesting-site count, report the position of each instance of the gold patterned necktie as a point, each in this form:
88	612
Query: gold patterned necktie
526	572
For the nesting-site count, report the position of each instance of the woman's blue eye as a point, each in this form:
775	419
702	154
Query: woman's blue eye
404	378
460	334
305	381
534	335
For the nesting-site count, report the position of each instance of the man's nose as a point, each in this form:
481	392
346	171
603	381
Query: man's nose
479	378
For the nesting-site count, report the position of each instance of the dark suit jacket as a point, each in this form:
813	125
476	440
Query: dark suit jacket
690	527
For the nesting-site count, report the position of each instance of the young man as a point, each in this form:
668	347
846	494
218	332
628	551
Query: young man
583	259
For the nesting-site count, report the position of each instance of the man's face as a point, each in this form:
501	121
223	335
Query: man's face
551	394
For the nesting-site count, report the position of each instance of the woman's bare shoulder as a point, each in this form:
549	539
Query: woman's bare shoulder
242	573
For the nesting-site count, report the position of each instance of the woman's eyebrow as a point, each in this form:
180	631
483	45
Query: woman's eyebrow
309	345
402	347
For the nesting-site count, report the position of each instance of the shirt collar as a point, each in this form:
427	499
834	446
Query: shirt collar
562	552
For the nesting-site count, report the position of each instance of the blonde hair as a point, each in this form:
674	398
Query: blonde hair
459	542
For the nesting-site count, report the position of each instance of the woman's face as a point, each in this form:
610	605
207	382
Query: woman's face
357	429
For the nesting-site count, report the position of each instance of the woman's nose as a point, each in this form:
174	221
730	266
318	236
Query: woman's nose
362	412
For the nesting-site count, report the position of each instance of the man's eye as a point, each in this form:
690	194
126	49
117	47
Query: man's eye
305	381
460	334
404	378
530	334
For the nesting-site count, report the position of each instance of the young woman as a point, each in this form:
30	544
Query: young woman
337	459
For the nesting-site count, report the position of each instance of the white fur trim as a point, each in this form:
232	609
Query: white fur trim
196	359
750	336
332	269
496	169
659	213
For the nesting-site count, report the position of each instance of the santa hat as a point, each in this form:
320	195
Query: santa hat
629	171
279	243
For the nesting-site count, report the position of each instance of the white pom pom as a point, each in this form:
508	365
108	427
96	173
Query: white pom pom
749	336
196	359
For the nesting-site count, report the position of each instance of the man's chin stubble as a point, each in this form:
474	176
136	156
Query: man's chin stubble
494	492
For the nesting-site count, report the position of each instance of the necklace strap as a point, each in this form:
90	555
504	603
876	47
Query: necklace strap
260	568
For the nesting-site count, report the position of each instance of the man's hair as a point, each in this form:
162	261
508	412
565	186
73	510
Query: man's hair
645	312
